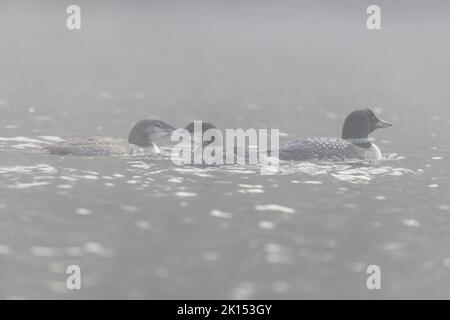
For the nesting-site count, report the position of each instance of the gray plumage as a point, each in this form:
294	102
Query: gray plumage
140	141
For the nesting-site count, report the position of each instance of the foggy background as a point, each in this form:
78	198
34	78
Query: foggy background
183	60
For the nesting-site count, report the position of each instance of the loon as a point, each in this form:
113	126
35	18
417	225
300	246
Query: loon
140	141
196	141
354	143
240	154
205	127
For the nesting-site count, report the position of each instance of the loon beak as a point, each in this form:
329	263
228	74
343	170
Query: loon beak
382	124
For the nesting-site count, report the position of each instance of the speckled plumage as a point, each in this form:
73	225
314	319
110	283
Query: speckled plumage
139	142
94	146
320	148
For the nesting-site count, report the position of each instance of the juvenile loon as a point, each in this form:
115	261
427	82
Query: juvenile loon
139	141
354	143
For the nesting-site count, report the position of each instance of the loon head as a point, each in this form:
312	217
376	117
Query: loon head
360	123
205	126
145	131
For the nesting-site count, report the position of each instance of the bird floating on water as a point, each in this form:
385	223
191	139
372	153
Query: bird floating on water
140	141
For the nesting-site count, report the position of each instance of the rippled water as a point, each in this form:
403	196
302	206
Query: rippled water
143	227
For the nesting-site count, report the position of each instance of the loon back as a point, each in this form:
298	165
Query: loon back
322	148
94	146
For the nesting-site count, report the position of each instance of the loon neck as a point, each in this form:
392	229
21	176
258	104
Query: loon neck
139	138
361	142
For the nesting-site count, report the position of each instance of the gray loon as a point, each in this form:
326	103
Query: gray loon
196	141
354	143
205	126
239	153
139	141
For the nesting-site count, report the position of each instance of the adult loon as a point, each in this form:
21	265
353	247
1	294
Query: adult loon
354	143
140	141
